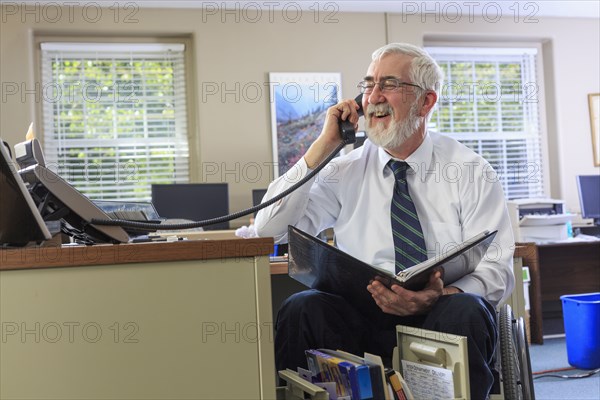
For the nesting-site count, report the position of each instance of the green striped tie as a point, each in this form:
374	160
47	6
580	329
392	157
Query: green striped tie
406	228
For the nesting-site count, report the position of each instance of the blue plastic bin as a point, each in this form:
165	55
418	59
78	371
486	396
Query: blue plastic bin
581	314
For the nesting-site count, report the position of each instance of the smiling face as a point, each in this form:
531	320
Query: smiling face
394	119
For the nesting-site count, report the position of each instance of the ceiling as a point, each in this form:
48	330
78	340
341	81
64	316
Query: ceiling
547	8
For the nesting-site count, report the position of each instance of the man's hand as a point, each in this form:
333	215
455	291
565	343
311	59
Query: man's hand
330	138
403	302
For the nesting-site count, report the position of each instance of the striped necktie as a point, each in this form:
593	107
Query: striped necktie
406	228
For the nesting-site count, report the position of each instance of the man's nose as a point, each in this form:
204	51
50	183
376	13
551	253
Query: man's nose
376	96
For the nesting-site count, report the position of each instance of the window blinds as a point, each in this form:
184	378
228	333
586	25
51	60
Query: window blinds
489	102
114	116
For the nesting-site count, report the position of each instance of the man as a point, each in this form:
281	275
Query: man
447	194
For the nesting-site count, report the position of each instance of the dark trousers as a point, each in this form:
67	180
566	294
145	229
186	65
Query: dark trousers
312	319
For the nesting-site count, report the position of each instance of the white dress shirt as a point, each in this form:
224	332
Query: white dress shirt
456	193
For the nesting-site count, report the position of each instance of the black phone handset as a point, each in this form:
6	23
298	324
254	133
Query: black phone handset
348	135
347	131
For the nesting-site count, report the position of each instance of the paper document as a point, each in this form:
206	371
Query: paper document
427	382
545	220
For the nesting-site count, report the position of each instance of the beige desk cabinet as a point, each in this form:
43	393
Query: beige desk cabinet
182	320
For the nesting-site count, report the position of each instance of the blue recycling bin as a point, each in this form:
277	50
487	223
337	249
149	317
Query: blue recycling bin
581	314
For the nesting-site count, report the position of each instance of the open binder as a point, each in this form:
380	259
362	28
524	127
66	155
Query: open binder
321	266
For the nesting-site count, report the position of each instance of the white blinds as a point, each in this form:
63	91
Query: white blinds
490	103
115	116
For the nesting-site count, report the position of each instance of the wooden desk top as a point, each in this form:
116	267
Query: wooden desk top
279	268
106	254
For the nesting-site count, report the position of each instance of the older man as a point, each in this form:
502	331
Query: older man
403	196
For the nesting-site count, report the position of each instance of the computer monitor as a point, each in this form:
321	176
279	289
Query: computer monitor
589	196
257	196
192	201
20	220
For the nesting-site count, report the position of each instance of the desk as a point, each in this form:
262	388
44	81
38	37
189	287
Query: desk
279	268
528	253
557	269
566	268
137	321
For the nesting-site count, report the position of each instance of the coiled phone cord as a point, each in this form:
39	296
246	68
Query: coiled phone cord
190	225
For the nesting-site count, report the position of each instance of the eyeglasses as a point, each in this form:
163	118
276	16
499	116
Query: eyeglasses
386	85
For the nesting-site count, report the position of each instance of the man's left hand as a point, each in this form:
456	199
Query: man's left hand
403	302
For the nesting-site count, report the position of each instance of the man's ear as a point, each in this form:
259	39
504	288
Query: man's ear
428	103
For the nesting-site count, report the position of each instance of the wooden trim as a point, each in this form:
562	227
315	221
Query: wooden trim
529	253
279	268
593	100
76	256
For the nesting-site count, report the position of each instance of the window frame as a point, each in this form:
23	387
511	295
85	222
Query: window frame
540	81
189	76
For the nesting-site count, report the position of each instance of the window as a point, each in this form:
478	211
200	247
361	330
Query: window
490	103
114	116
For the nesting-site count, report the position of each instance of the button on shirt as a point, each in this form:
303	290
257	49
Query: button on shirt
456	193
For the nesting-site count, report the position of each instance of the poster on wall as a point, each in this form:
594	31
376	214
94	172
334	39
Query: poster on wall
299	102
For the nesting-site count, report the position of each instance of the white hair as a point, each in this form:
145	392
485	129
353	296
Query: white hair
424	71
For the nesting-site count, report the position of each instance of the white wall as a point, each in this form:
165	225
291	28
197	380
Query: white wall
235	131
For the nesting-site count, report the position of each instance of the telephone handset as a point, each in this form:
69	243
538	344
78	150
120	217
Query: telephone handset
347	128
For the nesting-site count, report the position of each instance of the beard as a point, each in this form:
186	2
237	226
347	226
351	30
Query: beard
397	132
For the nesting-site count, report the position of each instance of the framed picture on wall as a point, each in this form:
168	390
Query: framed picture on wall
299	102
594	102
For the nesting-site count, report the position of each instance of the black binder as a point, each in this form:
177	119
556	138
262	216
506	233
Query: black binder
321	266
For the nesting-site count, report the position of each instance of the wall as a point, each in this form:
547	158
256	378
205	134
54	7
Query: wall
232	49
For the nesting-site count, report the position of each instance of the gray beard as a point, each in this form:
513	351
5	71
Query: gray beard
397	133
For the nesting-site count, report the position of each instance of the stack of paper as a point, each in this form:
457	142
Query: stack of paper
545	228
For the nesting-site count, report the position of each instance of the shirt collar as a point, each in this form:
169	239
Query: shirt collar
419	160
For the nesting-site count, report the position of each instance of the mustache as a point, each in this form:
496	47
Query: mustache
379	108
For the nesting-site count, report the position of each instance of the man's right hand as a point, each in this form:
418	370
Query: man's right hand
330	137
403	302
